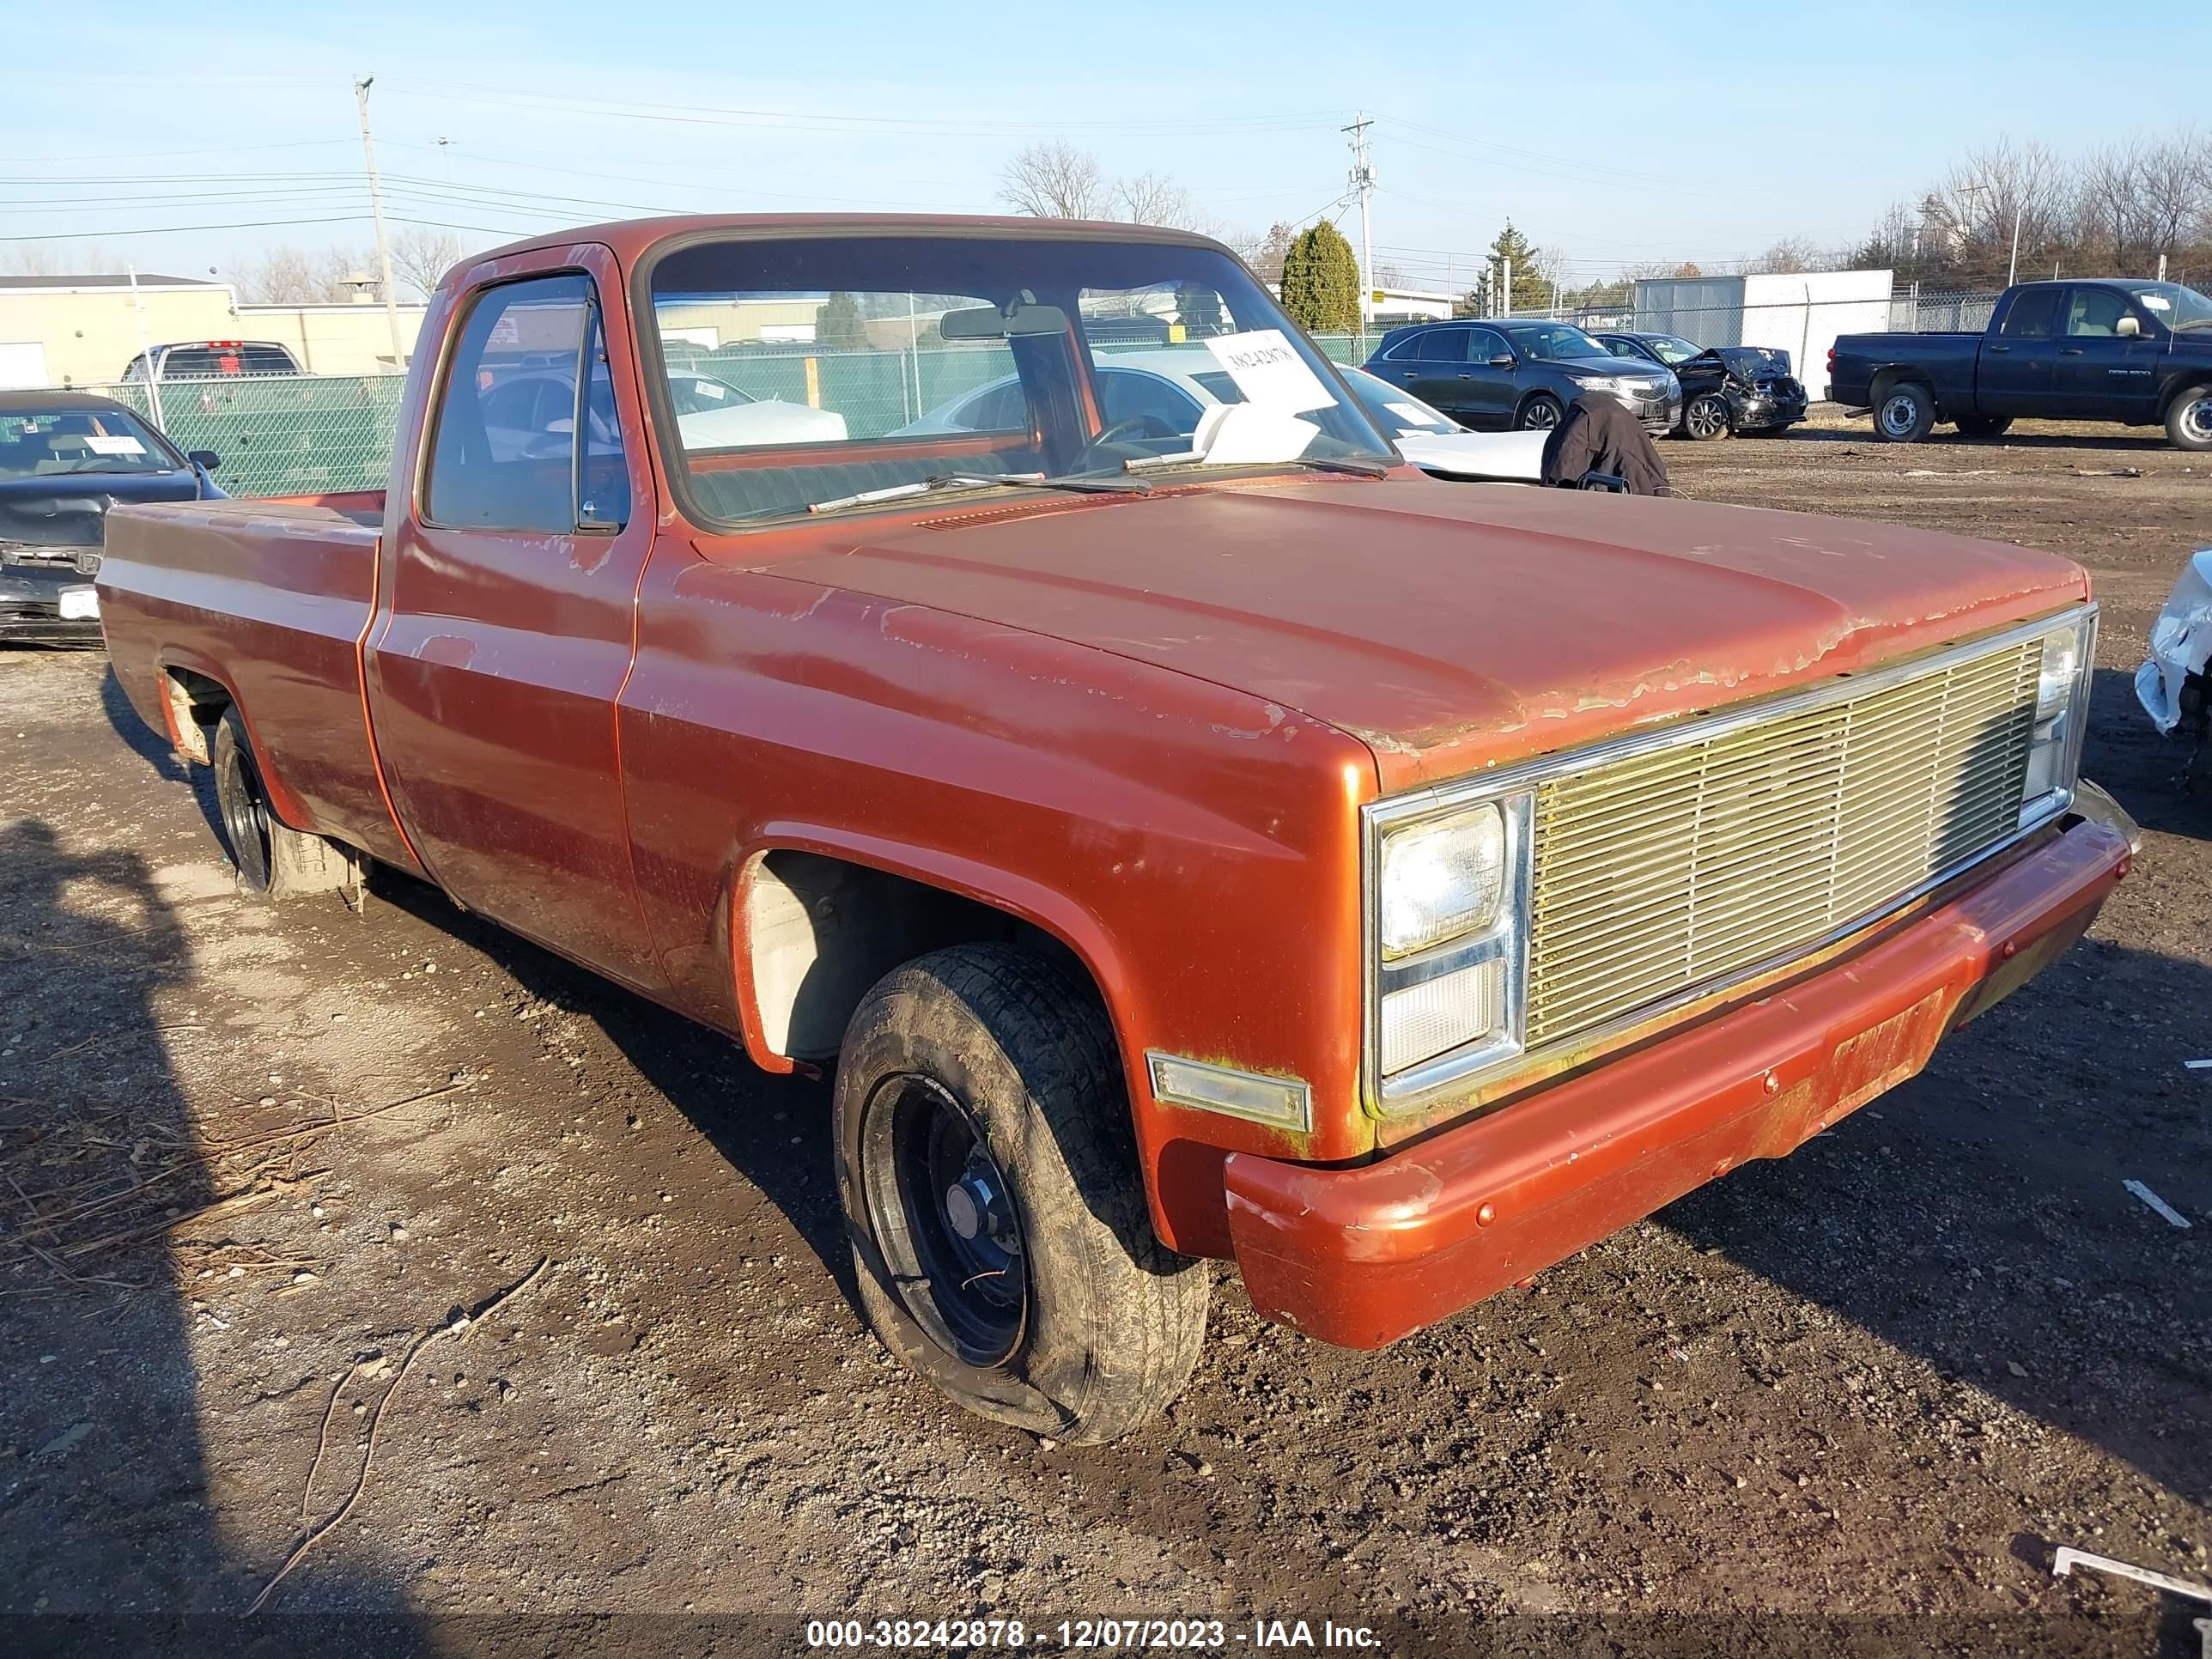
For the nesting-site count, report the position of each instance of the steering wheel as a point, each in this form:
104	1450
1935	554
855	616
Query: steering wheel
547	445
1136	426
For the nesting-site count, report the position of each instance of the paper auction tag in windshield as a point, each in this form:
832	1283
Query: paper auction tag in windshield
1269	371
118	445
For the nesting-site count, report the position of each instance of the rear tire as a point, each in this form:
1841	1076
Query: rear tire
1540	414
1906	413
988	1167
1705	417
1984	426
2189	419
273	860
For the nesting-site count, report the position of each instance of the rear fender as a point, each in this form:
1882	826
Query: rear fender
194	746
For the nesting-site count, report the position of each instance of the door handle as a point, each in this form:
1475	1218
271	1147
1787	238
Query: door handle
2070	351
2001	348
1466	377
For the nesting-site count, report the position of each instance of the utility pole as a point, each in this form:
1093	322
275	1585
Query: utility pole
2012	275
376	212
146	355
1362	184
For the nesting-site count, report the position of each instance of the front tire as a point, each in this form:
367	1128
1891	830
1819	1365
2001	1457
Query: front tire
1705	417
2189	419
274	861
1984	426
1540	414
1906	415
988	1167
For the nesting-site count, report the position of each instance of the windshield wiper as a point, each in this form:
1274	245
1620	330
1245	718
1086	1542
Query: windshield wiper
1197	458
1333	464
984	480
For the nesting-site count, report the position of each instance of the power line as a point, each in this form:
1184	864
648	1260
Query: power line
801	120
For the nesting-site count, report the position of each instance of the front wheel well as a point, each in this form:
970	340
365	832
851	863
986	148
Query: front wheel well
819	932
196	704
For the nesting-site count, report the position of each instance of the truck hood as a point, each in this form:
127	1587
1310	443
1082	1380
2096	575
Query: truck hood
1452	626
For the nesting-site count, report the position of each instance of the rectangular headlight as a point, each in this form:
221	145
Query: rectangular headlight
2061	692
1449	938
1442	879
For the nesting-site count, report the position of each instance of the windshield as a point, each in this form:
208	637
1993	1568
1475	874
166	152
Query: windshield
868	364
1671	348
48	443
1397	413
2173	305
1543	340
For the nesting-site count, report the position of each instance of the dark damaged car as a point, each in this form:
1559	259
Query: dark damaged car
66	458
1725	389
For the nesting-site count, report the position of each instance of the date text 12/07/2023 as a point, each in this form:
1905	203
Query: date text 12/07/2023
1188	1635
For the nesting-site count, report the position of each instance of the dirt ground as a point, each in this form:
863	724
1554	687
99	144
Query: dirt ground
259	1162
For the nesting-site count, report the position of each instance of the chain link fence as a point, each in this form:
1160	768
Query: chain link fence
280	434
300	434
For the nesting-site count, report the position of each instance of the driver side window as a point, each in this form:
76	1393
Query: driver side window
501	458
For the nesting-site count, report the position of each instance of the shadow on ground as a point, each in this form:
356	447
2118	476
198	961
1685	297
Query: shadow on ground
109	1539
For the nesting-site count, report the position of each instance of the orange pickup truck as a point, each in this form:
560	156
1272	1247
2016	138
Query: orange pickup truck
1001	659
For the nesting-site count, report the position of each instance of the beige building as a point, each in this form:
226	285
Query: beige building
82	331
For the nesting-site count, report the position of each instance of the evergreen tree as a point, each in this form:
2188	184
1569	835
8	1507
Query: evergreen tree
839	326
1320	282
1532	291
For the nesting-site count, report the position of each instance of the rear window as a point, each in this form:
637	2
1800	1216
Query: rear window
219	358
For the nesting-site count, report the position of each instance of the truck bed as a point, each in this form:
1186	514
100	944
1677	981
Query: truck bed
270	600
1945	360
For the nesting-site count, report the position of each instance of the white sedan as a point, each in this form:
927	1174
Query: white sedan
530	416
1175	386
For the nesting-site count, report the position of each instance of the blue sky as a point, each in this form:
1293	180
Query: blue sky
1618	134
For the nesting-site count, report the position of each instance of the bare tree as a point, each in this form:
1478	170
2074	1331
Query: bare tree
1057	181
55	259
1265	253
291	276
423	254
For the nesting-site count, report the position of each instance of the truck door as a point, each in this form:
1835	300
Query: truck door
2019	359
507	626
2103	374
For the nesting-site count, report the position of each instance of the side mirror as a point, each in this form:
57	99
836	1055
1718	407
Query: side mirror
206	459
2127	328
1503	360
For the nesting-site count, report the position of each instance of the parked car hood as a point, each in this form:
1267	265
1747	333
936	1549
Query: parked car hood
1513	457
1451	627
69	509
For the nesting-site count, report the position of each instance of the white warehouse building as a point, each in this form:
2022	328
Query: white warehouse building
1801	313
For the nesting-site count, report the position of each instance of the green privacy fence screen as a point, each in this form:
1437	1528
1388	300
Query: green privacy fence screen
289	434
282	434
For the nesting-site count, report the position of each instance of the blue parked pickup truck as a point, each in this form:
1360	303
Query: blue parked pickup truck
2136	353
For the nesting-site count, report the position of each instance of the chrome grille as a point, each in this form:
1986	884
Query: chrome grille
1662	871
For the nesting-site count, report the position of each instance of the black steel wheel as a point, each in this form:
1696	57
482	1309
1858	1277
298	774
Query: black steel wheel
987	1166
1705	417
243	800
273	859
943	1214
